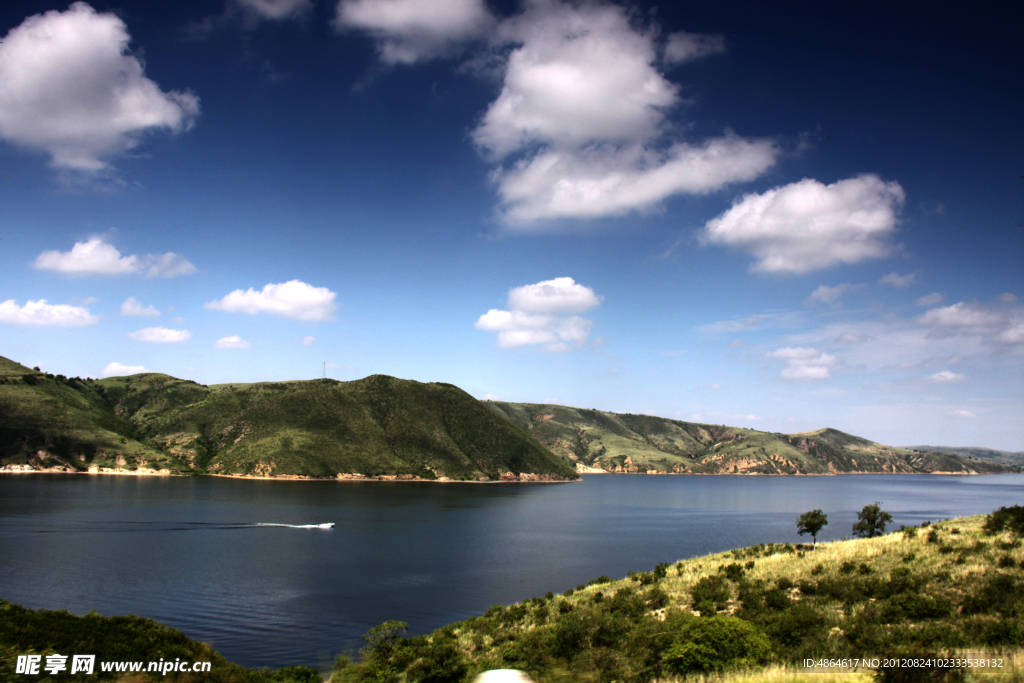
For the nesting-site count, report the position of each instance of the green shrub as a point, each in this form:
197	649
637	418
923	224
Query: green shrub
716	644
710	594
438	663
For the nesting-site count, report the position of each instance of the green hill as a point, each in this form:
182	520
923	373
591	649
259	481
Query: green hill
976	453
374	427
599	441
56	423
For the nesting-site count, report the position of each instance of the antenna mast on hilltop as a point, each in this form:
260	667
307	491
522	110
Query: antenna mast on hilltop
325	369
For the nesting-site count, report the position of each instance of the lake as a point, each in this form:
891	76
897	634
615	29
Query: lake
189	551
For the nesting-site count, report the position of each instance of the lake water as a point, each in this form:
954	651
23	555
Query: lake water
187	552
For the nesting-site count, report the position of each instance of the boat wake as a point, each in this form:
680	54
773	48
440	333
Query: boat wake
325	525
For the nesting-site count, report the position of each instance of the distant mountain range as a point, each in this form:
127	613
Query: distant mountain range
387	428
989	454
598	441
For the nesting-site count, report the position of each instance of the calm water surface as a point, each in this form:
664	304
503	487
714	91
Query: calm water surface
186	551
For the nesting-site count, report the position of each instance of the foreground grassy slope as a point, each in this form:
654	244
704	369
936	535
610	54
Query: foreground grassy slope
939	589
58	423
595	440
118	639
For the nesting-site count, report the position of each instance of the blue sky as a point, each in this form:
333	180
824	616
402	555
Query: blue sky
783	218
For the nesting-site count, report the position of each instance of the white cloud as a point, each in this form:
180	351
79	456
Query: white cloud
897	280
232	342
167	265
160	335
292	299
539	315
116	369
408	31
1014	334
830	295
946	376
803	363
276	9
42	313
753	323
1007	298
97	257
69	87
930	299
806	225
133	307
605	180
964	316
686	47
584	107
963	413
579	74
560	295
308	341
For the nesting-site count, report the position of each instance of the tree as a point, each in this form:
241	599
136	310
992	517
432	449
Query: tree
811	523
871	521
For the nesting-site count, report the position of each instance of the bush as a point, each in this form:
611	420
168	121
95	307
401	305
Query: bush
710	594
439	663
1006	518
716	644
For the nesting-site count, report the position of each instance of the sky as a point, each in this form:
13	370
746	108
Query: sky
777	216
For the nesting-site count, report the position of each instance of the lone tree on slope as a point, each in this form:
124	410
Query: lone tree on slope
811	523
871	521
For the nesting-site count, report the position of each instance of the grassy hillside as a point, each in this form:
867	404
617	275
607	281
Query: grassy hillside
375	427
940	589
52	422
595	440
118	639
976	453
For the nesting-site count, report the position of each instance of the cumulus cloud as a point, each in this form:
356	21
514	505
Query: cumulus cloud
116	369
608	180
133	307
232	342
160	335
69	87
409	31
930	299
803	363
830	295
1007	298
308	341
963	413
561	295
686	47
807	226
946	376
583	106
541	314
97	257
292	299
897	280
42	313
966	317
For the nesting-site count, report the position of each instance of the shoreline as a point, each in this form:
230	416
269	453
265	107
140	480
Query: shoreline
524	478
